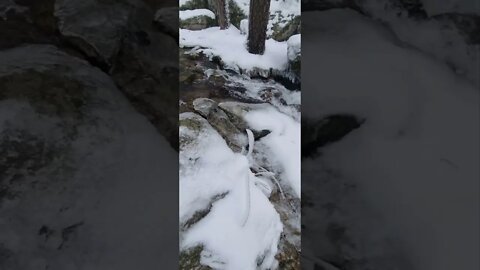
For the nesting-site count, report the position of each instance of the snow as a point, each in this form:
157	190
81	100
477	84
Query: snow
229	45
286	7
283	142
294	47
187	14
415	159
114	179
435	37
239	227
244	27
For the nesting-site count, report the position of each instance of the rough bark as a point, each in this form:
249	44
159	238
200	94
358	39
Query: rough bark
257	25
222	14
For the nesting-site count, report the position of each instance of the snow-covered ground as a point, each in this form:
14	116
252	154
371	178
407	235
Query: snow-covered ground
413	164
239	227
230	46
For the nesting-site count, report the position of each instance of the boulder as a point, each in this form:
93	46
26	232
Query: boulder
197	22
72	149
292	27
166	20
235	138
97	27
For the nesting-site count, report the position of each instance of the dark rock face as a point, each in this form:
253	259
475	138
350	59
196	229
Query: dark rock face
136	48
166	20
72	74
123	38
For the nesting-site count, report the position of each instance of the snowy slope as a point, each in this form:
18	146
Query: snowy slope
96	197
414	162
241	225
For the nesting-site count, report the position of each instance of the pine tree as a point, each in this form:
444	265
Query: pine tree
257	25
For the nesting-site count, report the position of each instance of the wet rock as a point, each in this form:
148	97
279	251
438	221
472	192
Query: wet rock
293	27
328	130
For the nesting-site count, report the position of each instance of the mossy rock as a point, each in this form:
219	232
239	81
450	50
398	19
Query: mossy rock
197	23
291	28
48	93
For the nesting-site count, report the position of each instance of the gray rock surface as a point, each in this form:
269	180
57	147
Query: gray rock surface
79	168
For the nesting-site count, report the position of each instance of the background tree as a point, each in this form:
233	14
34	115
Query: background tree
222	14
257	25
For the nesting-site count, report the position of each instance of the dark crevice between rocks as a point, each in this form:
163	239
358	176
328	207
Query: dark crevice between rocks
330	129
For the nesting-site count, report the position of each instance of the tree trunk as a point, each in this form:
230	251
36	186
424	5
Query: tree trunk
222	14
257	25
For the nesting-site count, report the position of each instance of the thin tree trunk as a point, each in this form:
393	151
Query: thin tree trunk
222	14
257	25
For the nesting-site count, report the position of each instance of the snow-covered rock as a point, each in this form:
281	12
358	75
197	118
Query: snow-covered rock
240	224
229	45
406	181
209	109
81	172
244	27
196	19
295	55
